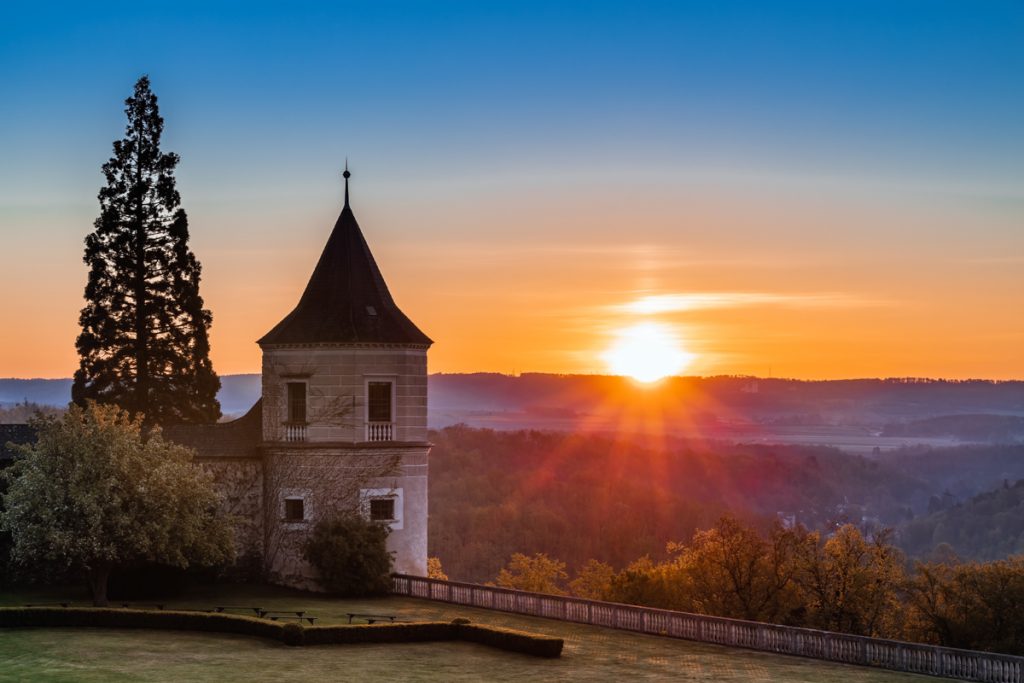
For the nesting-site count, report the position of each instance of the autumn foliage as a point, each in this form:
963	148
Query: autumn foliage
845	582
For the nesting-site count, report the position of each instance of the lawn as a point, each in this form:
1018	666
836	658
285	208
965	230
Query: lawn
591	653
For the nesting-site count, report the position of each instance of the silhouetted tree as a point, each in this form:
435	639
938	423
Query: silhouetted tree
144	343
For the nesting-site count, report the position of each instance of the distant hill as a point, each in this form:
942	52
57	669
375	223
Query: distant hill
581	496
962	471
49	392
237	392
991	428
989	526
856	415
849	414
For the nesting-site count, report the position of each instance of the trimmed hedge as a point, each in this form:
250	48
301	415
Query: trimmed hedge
170	620
288	633
511	640
404	632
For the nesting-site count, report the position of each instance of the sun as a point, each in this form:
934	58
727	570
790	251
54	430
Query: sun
646	352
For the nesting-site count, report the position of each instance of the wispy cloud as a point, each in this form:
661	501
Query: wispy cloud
699	301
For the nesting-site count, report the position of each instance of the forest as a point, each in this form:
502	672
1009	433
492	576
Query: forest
581	497
843	581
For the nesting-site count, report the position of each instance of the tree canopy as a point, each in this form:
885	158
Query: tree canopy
92	495
144	343
538	573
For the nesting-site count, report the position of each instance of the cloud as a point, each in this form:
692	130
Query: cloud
699	301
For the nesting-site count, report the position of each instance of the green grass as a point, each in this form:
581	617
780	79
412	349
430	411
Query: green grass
591	653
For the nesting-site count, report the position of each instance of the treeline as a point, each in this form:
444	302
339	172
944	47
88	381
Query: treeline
21	413
847	582
984	428
581	496
986	527
963	471
613	499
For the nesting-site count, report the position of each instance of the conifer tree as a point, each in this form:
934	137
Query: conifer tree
144	344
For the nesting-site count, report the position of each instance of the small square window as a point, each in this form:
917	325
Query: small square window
382	509
294	509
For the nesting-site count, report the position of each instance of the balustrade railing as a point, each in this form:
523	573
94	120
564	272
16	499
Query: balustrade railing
789	640
294	431
380	431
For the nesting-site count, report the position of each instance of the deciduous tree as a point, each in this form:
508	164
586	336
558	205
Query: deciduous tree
978	606
434	569
593	581
851	584
92	494
734	572
538	573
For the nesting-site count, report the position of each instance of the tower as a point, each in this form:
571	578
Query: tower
344	410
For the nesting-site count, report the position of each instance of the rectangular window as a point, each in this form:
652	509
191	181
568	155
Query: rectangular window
383	506
382	509
294	509
379	401
297	402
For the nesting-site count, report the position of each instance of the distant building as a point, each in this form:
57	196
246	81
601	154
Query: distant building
342	420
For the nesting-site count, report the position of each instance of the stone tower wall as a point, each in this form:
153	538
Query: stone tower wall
330	480
336	397
240	482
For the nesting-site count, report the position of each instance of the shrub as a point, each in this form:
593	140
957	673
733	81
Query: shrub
351	555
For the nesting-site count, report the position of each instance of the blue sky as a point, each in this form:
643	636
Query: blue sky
505	106
856	89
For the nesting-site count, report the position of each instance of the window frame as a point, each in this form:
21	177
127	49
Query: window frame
289	417
382	499
302	508
395	494
377	382
306	496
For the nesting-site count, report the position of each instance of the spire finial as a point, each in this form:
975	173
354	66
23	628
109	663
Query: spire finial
346	175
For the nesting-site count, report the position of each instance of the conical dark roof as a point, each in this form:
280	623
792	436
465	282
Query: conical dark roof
346	300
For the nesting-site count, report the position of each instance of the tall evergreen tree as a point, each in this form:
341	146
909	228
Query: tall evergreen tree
144	343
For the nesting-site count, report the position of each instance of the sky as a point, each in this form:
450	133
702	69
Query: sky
801	189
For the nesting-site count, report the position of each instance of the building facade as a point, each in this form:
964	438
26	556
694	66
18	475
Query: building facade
341	424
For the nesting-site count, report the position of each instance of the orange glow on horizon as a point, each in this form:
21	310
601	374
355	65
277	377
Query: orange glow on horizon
647	352
796	300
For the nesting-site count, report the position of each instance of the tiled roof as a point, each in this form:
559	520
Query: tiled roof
346	300
238	439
